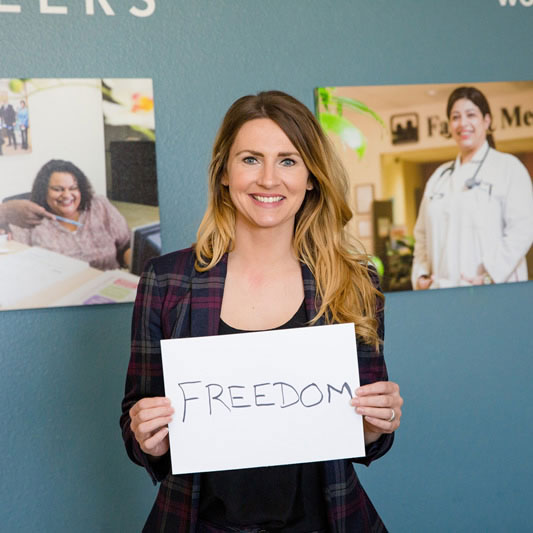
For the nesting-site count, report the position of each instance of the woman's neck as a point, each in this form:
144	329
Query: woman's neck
263	248
68	225
467	156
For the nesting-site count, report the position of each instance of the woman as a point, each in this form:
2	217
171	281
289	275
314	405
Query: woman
475	224
271	253
23	124
84	226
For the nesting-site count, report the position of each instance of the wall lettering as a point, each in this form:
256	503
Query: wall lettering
11	8
513	3
47	9
89	7
140	8
437	126
516	117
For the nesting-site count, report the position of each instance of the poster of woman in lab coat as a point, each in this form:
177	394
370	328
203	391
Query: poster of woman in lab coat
440	178
475	224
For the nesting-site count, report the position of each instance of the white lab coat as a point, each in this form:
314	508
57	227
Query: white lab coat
489	228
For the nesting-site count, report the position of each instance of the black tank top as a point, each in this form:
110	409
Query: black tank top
287	498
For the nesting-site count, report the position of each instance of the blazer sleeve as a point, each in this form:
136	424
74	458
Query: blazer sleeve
372	368
145	373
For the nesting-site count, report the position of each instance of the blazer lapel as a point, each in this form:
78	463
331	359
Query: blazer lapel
310	295
206	299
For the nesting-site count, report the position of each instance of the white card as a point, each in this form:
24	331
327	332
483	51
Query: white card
262	399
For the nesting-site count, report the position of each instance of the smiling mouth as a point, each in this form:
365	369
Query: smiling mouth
267	199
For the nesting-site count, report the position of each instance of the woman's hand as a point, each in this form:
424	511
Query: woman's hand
126	258
481	279
23	213
424	282
380	404
149	419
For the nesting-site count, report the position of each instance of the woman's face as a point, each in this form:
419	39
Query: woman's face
468	126
64	195
266	176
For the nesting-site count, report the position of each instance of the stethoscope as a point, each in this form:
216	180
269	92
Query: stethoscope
470	183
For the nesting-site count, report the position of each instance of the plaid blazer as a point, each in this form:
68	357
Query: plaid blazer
175	301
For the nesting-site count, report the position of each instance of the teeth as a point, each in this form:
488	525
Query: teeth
268	199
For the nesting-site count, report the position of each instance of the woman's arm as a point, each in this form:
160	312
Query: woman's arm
118	229
23	213
145	412
421	278
376	397
502	254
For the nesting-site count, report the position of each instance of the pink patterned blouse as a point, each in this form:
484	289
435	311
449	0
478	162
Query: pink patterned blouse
101	241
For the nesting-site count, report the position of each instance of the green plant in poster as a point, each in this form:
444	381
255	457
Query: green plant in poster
350	135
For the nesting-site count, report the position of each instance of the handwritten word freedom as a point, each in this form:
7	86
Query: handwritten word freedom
279	394
145	10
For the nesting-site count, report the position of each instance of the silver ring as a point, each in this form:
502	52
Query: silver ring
392	416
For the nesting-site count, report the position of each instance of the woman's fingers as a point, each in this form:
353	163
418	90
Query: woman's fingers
424	282
149	420
148	427
146	415
380	414
380	404
379	387
382	400
381	418
147	403
157	444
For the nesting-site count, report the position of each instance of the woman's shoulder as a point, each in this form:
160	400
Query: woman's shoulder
101	203
511	168
178	263
100	208
508	159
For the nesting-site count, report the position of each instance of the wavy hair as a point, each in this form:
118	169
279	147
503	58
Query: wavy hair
39	191
345	292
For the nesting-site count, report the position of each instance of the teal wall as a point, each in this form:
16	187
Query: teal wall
464	357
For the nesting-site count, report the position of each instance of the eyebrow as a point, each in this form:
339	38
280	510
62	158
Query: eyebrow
474	108
280	154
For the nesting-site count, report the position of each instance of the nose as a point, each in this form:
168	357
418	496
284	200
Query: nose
462	120
268	176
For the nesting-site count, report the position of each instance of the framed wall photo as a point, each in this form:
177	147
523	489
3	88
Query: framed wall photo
399	144
92	245
364	196
364	228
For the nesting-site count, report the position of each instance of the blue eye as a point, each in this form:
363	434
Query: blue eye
288	162
249	160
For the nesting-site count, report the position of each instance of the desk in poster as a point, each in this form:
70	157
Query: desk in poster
32	277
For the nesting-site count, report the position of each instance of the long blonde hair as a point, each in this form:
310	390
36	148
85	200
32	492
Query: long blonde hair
345	292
